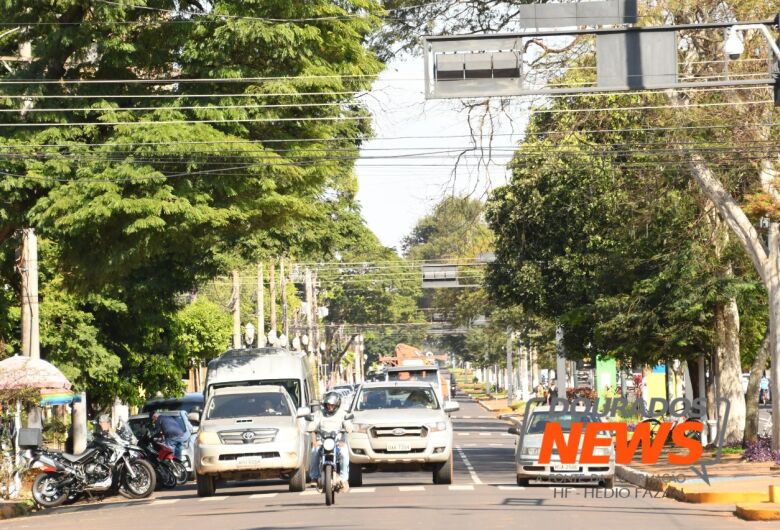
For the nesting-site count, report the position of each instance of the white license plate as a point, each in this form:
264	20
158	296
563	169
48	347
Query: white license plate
566	467
249	460
399	447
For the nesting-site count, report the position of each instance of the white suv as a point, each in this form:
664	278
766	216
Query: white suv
400	426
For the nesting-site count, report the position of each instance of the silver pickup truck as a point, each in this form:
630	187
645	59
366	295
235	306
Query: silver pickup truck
400	426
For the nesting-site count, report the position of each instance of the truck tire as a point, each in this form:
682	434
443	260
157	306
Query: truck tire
442	473
609	483
355	476
523	481
298	480
206	485
328	485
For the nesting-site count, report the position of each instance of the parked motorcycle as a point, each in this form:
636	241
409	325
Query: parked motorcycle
110	463
170	472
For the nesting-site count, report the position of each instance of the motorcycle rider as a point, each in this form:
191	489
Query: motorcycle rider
174	435
331	418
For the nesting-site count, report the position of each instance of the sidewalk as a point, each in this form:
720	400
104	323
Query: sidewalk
11	509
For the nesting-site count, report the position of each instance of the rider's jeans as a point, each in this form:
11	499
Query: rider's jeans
177	444
342	453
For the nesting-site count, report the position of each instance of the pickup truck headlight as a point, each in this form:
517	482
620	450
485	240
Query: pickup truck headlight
530	451
360	427
208	438
438	426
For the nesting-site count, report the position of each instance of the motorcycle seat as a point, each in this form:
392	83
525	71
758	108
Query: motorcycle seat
77	458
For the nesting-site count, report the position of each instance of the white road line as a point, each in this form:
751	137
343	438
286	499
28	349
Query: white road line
462	487
465	417
470	445
222	498
511	488
158	502
485	433
507	434
498	445
362	490
411	488
263	495
474	477
463	433
310	492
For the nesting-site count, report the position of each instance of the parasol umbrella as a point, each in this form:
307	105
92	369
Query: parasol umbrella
19	373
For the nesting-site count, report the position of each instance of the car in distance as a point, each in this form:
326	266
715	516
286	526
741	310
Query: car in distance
400	426
250	433
527	452
190	402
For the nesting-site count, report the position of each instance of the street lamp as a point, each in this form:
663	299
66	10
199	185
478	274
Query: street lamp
733	46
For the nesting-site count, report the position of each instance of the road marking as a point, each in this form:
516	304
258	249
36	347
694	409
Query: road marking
411	488
485	433
462	487
470	445
498	445
158	502
511	488
463	433
507	434
222	498
362	490
310	492
474	477
465	417
263	495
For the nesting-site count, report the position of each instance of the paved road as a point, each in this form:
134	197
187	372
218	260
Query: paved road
484	496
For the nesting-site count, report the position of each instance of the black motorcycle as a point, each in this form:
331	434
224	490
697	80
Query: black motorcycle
329	464
109	463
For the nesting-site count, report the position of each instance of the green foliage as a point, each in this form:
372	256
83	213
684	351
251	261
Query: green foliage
203	330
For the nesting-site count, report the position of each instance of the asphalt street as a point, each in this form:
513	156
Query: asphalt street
484	495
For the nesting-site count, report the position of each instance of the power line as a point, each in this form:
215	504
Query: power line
171	122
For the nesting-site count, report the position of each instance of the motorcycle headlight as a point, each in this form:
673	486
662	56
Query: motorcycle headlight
530	451
438	426
329	444
360	427
208	438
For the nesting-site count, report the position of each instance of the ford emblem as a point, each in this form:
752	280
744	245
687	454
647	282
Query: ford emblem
399	431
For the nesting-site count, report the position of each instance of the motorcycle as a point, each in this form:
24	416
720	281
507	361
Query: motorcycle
329	455
170	472
110	463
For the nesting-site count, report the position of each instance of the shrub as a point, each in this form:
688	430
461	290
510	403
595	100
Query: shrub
761	451
581	392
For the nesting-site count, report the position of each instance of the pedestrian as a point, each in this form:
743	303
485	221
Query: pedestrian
174	434
553	393
763	394
540	390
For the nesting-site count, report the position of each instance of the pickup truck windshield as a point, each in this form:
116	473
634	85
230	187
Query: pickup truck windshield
539	420
247	405
397	398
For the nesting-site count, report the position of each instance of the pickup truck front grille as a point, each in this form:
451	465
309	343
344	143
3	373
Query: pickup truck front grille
224	458
247	436
413	431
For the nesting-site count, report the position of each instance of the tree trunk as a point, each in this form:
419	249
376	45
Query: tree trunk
751	399
773	290
730	369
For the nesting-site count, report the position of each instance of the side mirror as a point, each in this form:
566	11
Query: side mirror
303	412
194	418
349	416
513	430
315	405
451	406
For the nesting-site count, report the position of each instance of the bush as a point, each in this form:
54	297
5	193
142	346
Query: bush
581	392
761	451
55	431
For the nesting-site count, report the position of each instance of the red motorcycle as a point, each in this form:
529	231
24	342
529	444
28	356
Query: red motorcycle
170	472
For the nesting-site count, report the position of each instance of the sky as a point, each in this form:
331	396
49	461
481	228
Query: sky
395	193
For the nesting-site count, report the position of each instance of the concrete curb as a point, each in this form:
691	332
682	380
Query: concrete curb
764	511
699	496
631	475
19	509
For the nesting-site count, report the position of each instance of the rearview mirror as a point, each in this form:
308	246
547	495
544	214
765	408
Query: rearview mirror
303	412
349	416
315	405
513	430
194	418
451	406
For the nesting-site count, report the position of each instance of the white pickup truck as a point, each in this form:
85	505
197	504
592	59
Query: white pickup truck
401	426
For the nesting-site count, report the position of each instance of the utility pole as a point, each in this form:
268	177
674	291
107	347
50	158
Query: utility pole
261	337
560	370
311	314
283	283
272	288
525	353
510	391
28	269
235	306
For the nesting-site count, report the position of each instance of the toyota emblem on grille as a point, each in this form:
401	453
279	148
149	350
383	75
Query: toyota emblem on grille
248	435
399	431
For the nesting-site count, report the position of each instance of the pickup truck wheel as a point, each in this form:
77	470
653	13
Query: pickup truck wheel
355	476
609	483
206	485
523	481
442	473
298	480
